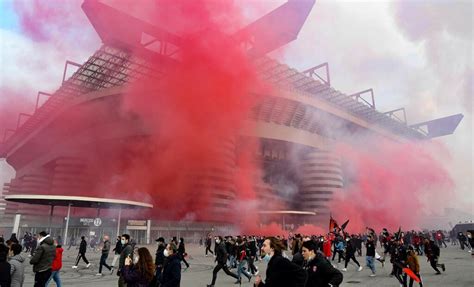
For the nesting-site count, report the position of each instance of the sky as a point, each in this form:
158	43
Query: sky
413	54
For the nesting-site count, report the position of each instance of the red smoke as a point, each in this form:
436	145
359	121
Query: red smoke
391	184
200	105
192	113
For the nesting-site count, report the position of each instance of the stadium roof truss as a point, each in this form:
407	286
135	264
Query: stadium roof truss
115	65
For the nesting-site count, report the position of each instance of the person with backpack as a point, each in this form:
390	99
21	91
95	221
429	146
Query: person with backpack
280	271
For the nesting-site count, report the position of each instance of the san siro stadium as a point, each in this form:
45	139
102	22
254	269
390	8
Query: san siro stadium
51	161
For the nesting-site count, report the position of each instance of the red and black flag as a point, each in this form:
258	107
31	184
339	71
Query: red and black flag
333	226
344	225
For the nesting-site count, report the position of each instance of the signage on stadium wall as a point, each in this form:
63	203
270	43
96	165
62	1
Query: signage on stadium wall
136	222
91	222
88	221
97	222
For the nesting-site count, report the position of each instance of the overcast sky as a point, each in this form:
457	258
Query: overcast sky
414	54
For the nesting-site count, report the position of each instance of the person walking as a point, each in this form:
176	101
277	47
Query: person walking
141	272
221	259
182	251
104	256
171	276
127	252
117	250
252	250
241	249
72	242
208	244
339	249
82	253
350	254
413	264
33	244
370	254
57	265
432	251
5	267
160	257
42	259
17	266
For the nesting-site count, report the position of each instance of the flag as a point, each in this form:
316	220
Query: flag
412	274
398	235
344	225
333	224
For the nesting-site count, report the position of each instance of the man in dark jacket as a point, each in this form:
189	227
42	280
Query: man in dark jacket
398	257
432	251
105	254
221	259
171	276
117	250
127	251
160	256
280	271
43	259
82	253
5	267
350	253
208	244
320	271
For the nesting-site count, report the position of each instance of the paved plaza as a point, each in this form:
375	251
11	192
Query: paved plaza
459	271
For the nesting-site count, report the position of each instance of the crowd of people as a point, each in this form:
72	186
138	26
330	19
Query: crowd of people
316	256
295	260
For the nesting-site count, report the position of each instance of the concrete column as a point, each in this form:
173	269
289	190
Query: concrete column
51	218
16	224
67	224
118	221
148	231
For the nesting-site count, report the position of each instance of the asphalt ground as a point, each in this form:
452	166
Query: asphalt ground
459	271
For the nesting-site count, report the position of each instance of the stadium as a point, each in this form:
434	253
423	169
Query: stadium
295	125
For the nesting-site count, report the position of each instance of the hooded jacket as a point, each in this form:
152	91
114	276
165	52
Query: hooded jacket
44	255
17	270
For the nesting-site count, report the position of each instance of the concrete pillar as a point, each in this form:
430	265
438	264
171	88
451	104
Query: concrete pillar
16	224
148	231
